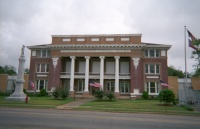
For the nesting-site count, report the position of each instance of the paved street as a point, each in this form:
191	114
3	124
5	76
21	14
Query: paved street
18	118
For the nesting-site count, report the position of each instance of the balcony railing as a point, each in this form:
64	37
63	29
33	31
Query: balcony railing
80	73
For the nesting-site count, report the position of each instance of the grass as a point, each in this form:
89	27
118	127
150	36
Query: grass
138	106
35	102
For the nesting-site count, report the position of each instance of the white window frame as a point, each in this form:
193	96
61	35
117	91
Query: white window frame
110	86
148	67
156	53
39	83
123	85
39	68
45	52
148	88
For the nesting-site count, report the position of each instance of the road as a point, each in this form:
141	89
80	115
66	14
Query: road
19	118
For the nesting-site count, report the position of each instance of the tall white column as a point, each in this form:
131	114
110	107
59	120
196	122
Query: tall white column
102	71
117	73
72	73
86	73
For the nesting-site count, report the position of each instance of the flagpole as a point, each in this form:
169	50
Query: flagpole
185	80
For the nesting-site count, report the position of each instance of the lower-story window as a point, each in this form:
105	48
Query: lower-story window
152	87
110	86
42	84
124	87
80	85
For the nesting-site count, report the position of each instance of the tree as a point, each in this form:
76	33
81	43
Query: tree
196	56
167	96
172	71
26	71
8	69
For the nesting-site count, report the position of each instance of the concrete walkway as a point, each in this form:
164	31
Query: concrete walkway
74	104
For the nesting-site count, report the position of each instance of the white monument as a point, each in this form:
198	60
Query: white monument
18	94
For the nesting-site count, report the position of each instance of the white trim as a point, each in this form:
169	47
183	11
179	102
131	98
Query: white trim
65	51
80	39
41	75
94	39
125	39
110	39
152	77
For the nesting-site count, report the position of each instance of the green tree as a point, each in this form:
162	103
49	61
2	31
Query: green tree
8	69
196	56
172	71
167	96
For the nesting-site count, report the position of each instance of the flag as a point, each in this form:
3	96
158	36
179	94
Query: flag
164	84
32	85
191	38
95	84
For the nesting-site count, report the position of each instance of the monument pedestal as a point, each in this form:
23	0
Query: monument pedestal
18	94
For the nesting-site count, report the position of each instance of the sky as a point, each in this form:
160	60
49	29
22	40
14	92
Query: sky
32	22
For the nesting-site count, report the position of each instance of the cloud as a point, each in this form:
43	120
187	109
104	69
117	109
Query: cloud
33	22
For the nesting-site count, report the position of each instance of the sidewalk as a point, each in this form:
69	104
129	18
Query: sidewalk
74	104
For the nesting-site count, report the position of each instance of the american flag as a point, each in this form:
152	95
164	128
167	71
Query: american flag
191	38
162	83
31	84
95	84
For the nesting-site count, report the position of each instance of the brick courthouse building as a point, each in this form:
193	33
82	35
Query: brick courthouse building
119	62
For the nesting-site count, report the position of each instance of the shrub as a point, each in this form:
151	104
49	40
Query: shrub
99	94
56	93
24	90
43	92
145	95
167	96
61	93
4	93
110	95
64	93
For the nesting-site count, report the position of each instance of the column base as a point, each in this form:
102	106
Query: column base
86	94
117	95
71	94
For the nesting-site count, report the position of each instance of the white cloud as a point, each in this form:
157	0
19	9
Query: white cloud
33	22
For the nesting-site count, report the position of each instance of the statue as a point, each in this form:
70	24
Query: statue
22	50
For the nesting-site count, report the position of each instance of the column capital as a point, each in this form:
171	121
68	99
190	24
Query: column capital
136	62
87	57
117	57
102	57
72	57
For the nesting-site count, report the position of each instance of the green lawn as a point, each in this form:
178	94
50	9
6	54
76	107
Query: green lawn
35	102
150	106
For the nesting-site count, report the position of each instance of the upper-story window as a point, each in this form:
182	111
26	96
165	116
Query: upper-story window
152	69
42	68
43	53
152	53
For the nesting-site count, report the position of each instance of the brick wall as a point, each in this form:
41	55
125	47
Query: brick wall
173	81
195	83
3	82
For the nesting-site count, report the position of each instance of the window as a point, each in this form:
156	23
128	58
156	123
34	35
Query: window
66	39
152	53
42	84
152	87
33	53
94	39
124	68
110	67
152	69
81	85
95	67
42	68
124	87
109	39
81	68
43	53
80	39
110	86
66	83
125	39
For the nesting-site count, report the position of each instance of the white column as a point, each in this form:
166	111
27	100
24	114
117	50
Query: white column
86	73
117	73
72	73
102	71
